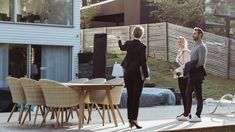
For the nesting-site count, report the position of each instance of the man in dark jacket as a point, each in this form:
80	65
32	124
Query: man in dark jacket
195	70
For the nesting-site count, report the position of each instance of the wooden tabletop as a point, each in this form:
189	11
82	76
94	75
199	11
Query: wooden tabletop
90	86
86	84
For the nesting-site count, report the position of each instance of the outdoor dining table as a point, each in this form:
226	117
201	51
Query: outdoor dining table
92	87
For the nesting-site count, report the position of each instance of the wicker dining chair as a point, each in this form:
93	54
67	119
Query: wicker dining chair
79	80
101	98
18	96
58	98
87	101
34	96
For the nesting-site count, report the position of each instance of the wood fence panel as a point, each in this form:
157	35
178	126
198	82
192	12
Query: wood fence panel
88	37
161	41
232	60
217	48
157	40
113	32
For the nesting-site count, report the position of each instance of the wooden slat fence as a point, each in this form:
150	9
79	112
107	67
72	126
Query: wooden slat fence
161	40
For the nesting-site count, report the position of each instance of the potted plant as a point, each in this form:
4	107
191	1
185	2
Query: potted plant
86	56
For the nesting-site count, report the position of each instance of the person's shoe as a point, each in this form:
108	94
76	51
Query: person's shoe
190	116
134	123
179	115
195	119
183	118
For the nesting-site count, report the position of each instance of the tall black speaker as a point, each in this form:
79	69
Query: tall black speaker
99	60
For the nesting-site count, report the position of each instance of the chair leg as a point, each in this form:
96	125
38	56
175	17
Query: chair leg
83	115
29	107
62	117
53	114
66	115
91	108
119	113
13	109
89	113
216	107
71	113
36	114
108	113
77	113
103	115
98	109
57	118
21	113
42	111
30	114
45	116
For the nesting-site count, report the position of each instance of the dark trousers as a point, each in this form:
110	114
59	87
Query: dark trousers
183	83
134	87
196	86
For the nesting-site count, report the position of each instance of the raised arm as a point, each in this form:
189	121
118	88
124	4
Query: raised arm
121	46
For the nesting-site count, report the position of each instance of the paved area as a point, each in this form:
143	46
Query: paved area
160	118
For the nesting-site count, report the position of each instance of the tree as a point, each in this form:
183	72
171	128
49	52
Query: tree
221	7
87	14
189	13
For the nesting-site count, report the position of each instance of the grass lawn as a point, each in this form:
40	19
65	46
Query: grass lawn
213	86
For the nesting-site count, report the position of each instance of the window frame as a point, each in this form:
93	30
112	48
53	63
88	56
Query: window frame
14	18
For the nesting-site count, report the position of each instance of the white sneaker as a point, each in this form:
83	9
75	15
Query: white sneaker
183	118
195	119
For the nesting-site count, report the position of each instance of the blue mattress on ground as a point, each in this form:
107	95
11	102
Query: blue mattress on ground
152	97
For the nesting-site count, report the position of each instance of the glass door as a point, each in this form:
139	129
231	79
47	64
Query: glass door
24	61
56	63
35	62
17	61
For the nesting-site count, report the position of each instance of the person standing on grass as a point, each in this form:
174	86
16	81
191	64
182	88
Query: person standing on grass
183	56
135	73
195	70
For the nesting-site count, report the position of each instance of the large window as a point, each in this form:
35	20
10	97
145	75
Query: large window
57	12
5	10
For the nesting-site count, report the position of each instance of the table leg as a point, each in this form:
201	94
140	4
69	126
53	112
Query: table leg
81	109
111	106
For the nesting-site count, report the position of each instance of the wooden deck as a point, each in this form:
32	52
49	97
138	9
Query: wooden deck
161	118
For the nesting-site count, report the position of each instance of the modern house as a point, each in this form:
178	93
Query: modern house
39	39
120	12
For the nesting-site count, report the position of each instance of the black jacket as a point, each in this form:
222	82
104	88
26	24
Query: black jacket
135	57
194	73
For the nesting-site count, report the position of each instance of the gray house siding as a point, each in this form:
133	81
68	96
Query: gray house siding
45	35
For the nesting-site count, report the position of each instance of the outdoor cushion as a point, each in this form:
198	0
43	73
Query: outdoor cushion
152	97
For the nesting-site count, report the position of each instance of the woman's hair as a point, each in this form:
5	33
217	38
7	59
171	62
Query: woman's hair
138	32
184	40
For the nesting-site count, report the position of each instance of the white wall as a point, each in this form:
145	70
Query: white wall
45	35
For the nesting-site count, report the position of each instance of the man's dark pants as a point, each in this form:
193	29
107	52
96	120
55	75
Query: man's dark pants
196	86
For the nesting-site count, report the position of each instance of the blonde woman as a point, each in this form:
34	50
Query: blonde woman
135	73
183	56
